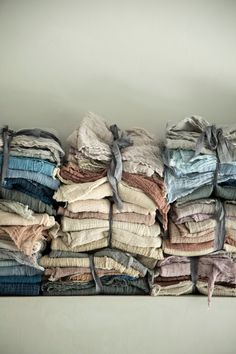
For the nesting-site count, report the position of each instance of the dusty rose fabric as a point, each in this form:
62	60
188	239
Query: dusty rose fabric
128	217
24	237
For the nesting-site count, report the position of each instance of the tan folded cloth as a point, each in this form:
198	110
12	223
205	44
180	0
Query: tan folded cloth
79	238
182	288
10	219
103	206
26	238
188	249
69	224
124	217
219	290
99	262
101	189
180	234
76	273
58	245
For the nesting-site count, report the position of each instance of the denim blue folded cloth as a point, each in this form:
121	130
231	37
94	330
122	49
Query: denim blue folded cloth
19	289
38	177
21	279
31	188
30	164
19	270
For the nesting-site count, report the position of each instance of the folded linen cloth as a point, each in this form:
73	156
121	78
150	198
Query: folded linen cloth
19	289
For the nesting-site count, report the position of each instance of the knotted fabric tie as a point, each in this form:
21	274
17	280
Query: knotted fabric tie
214	140
7	136
194	271
114	173
97	281
220	226
110	223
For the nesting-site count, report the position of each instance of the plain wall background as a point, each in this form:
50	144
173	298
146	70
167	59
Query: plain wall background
137	63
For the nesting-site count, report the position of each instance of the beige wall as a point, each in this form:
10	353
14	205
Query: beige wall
136	63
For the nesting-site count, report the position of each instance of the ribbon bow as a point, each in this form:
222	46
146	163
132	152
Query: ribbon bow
214	139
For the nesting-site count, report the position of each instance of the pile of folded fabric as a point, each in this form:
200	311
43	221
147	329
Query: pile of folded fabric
106	166
29	160
195	228
216	275
172	276
108	271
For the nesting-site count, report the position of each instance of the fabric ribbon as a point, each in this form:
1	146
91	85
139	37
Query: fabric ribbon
110	223
114	173
7	136
97	281
214	139
220	226
194	272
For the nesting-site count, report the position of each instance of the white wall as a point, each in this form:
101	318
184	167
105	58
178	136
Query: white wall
136	63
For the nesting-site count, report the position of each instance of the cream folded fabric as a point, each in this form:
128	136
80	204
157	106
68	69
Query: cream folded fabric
103	206
219	290
10	219
180	234
73	239
93	140
182	288
69	224
99	262
100	189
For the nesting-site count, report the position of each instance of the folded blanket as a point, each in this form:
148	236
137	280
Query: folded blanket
111	286
21	289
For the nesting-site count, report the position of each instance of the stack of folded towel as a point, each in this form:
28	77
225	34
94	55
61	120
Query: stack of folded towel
195	228
213	274
29	160
105	165
217	275
172	276
108	271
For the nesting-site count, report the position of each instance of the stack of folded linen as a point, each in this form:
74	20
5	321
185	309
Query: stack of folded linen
217	275
230	226
22	240
172	276
188	175
195	228
200	160
98	172
108	271
29	160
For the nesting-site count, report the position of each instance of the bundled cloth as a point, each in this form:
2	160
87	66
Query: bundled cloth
195	228
112	186
23	236
213	274
108	272
200	159
29	160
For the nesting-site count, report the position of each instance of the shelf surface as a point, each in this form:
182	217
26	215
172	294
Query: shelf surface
117	325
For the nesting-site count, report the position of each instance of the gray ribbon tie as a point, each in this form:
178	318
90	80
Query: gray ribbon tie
97	281
114	173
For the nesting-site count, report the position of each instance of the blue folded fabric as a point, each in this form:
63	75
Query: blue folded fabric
31	188
19	289
19	270
38	177
21	279
30	164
